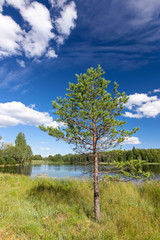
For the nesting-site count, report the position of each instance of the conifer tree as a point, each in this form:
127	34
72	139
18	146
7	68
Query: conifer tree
90	115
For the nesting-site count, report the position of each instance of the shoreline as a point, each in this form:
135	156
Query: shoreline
38	162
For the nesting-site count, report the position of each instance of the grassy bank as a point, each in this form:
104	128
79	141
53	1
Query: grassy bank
9	165
53	209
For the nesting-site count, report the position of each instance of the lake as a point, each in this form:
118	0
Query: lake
51	170
61	171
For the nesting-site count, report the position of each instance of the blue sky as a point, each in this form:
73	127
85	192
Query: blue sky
43	44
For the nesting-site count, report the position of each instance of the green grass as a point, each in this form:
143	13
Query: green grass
53	209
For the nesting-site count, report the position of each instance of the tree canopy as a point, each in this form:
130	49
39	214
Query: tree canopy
89	102
90	117
20	153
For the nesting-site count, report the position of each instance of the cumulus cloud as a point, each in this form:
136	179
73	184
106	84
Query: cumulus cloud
137	99
150	109
142	105
37	39
133	115
51	53
11	36
131	141
38	17
66	22
14	113
1	5
34	35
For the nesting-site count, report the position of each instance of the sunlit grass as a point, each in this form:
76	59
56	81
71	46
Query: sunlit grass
54	209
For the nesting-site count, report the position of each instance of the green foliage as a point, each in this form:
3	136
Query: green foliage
20	153
24	150
91	115
37	157
55	209
2	161
85	102
146	155
127	170
20	141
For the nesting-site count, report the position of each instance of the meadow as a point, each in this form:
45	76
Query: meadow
63	209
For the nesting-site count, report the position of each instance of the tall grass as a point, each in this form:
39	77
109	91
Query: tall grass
54	209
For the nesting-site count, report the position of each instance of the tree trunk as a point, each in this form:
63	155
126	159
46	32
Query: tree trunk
96	188
96	184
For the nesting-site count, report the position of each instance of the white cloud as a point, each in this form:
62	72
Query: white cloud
37	16
66	22
138	99
51	53
14	113
35	36
18	3
10	36
45	149
21	63
1	5
156	90
133	115
57	3
144	106
150	109
60	40
37	39
131	140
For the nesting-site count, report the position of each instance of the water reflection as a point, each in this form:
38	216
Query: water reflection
25	170
61	171
153	168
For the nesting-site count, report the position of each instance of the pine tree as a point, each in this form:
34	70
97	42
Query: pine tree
89	114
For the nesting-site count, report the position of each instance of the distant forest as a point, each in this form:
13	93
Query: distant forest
148	155
21	153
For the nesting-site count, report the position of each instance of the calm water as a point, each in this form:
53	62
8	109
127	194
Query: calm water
61	171
51	170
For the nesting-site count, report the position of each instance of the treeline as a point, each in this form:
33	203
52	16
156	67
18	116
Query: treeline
148	155
20	153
